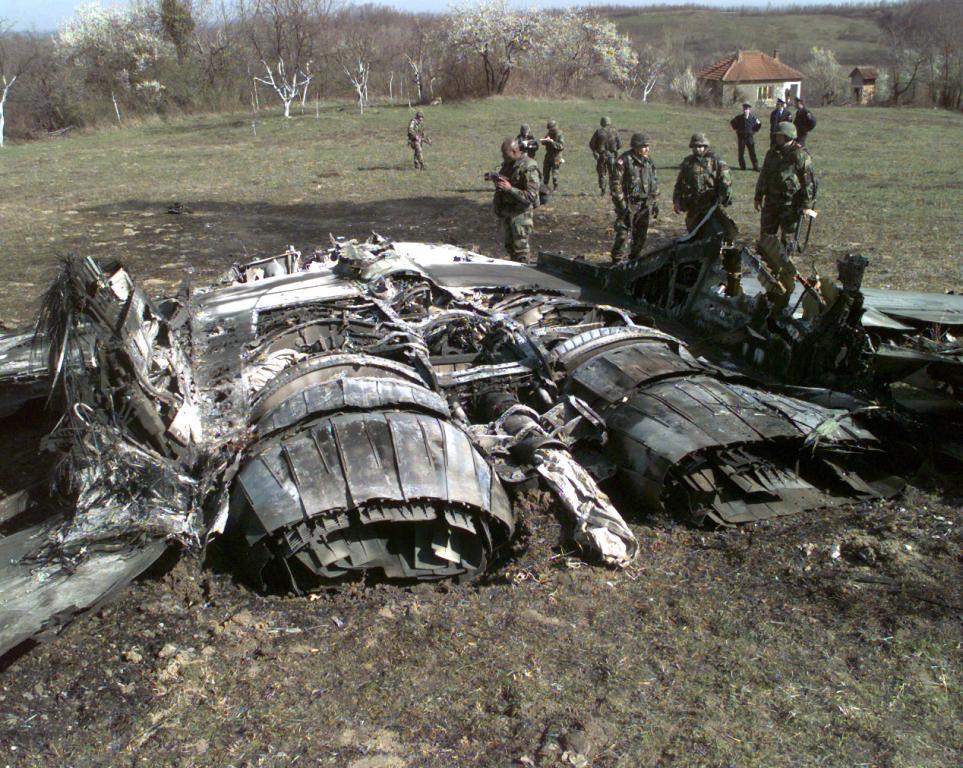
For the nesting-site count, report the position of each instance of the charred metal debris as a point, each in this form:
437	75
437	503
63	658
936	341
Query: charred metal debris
372	408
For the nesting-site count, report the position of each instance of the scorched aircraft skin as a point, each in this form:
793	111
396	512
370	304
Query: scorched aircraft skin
373	408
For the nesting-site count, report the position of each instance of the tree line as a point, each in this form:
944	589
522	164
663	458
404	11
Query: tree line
169	56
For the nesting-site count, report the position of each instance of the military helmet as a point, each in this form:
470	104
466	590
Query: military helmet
639	140
786	129
524	130
552	125
605	121
698	139
420	115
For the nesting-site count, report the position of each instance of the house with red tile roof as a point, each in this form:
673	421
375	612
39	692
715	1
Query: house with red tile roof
751	76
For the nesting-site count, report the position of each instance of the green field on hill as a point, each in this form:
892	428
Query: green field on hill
711	34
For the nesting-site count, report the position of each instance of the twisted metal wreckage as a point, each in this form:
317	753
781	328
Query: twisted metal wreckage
373	408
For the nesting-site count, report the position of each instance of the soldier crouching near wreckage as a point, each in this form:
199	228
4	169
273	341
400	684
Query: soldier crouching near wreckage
635	192
785	192
517	184
702	188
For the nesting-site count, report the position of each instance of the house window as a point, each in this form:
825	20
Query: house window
764	93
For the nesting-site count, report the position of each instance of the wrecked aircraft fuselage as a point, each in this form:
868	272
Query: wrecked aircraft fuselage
372	409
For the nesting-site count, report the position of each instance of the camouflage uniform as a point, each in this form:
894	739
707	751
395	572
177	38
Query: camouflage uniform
786	186
554	144
513	207
416	137
702	181
527	141
635	190
605	145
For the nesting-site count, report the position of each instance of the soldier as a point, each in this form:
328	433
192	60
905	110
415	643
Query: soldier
703	182
779	115
746	126
417	137
527	141
785	191
516	195
635	191
605	146
554	144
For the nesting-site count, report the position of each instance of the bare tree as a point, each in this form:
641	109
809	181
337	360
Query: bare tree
651	69
825	76
283	34
13	64
356	55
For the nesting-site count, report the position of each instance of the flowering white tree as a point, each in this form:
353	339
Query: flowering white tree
578	45
495	33
114	49
825	77
686	85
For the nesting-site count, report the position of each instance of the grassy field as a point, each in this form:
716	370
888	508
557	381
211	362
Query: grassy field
711	34
826	639
890	187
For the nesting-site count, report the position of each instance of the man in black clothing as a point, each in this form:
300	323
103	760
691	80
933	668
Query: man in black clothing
804	121
779	115
746	126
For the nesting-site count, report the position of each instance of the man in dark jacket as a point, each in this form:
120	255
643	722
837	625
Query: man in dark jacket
779	115
804	121
746	126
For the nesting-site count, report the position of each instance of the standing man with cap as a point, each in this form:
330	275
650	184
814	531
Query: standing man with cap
635	192
417	137
804	121
516	195
746	126
785	192
779	115
605	146
554	144
527	141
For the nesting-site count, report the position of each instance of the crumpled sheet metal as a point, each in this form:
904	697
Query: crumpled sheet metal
599	528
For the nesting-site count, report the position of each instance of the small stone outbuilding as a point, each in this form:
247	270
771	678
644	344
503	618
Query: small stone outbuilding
863	83
751	76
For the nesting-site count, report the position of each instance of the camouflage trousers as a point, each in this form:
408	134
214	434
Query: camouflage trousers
632	224
516	231
778	219
550	169
419	158
778	259
605	168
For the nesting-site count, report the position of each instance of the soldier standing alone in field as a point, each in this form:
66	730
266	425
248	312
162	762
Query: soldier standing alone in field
605	145
527	141
704	181
516	195
635	192
417	137
746	125
785	192
554	144
779	115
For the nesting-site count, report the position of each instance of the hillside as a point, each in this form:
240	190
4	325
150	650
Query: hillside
710	34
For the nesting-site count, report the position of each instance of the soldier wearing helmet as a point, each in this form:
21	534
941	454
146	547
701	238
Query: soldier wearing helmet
605	145
417	137
704	187
635	192
527	141
554	144
785	191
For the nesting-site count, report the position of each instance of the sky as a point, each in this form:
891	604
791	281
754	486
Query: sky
47	15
